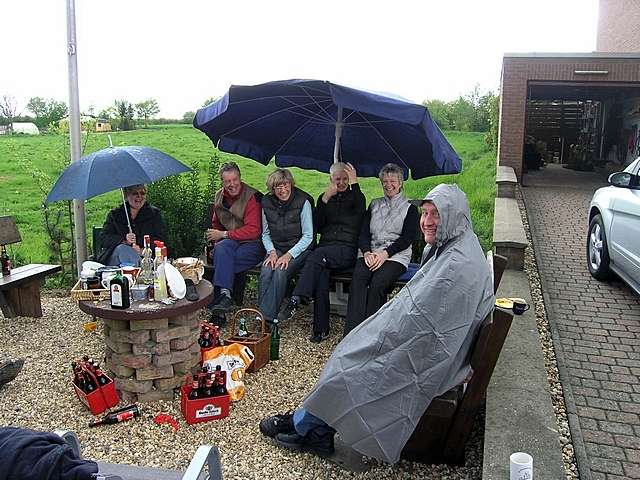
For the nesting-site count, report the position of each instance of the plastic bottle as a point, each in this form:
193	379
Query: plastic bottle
159	278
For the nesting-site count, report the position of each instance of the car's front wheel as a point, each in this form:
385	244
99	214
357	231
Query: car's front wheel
597	250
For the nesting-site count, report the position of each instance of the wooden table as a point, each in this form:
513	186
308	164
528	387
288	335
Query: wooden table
150	347
20	291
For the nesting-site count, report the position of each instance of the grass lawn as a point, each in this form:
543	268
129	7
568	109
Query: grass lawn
22	193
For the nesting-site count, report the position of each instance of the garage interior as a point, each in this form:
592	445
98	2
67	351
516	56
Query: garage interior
583	126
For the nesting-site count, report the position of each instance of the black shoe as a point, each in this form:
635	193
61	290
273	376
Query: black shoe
317	337
9	369
223	304
275	424
320	444
192	293
289	311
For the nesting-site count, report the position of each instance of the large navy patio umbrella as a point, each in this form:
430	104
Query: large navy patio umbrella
312	123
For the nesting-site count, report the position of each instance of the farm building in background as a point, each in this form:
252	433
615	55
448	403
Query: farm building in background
103	126
27	128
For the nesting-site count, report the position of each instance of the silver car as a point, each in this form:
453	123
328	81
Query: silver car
613	242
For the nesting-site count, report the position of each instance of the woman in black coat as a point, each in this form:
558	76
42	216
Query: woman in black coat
119	245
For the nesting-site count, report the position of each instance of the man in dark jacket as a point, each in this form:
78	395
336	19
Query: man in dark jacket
28	454
338	216
123	245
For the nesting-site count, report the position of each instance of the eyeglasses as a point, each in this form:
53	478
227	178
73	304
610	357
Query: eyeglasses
282	186
139	193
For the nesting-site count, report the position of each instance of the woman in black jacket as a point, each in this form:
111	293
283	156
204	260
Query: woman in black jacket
119	244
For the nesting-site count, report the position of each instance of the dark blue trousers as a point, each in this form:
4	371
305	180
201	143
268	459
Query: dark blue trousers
231	257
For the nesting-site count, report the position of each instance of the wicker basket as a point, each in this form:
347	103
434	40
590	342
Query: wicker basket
258	341
96	294
191	268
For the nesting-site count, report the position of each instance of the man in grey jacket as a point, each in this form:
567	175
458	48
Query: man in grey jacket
383	375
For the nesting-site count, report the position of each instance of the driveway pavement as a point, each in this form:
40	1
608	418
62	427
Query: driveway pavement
596	326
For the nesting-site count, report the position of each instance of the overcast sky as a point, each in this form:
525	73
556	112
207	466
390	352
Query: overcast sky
182	52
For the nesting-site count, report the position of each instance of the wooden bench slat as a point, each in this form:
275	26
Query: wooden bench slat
28	273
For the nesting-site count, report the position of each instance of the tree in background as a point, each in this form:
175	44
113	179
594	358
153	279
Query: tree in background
210	100
124	114
47	111
469	113
188	117
147	109
8	109
491	137
439	111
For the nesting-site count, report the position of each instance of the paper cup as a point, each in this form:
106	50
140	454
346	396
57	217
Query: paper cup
520	466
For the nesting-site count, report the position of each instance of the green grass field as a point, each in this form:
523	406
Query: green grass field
22	193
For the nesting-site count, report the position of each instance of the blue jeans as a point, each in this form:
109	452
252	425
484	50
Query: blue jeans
124	254
231	257
304	422
272	285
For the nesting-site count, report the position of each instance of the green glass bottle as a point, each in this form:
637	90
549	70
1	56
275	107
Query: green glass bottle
274	350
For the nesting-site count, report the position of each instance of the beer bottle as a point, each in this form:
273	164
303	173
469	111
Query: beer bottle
6	262
195	390
101	377
208	388
119	292
89	385
274	347
119	416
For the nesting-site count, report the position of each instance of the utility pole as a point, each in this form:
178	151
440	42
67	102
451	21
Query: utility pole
80	230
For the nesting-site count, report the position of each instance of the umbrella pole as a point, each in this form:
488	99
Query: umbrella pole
126	213
336	145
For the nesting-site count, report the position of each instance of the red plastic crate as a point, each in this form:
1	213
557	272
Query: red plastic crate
99	400
202	409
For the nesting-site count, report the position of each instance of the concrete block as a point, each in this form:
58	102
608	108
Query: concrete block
116	324
117	347
120	370
127	336
133	385
152	348
165	335
156	324
152	373
156	395
509	238
169	383
519	411
131	360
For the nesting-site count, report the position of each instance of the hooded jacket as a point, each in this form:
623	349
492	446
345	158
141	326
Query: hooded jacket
383	375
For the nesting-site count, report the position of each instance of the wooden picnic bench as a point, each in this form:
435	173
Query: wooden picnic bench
20	291
444	428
